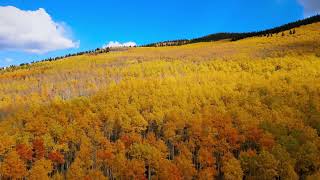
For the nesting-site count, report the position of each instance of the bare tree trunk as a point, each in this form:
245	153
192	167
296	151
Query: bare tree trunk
149	172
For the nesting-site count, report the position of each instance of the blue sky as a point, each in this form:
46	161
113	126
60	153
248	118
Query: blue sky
91	24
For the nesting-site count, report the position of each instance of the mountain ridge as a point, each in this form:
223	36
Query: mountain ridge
233	36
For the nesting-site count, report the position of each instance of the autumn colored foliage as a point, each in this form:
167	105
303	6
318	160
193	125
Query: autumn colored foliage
248	109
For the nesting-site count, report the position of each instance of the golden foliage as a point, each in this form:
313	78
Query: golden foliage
247	109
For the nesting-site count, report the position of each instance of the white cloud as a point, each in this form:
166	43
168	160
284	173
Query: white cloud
32	31
118	44
310	7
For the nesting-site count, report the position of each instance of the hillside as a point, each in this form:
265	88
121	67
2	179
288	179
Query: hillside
226	109
238	36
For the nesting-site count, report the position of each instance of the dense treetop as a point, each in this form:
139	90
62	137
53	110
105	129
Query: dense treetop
242	109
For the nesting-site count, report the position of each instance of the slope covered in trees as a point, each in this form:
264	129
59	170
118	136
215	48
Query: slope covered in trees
230	110
238	36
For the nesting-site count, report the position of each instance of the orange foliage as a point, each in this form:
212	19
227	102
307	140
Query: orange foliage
24	152
56	157
38	148
13	167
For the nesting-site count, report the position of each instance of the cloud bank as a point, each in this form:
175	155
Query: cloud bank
310	7
112	44
32	31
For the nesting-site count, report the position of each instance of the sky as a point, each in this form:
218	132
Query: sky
32	30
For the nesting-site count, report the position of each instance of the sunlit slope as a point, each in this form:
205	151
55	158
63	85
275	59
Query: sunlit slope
83	75
247	109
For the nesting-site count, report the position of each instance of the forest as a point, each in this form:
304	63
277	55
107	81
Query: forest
246	109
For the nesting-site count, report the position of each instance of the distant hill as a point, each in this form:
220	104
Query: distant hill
247	109
208	38
238	36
